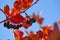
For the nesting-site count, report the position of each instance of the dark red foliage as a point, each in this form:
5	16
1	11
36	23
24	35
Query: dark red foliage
26	25
40	33
17	19
6	10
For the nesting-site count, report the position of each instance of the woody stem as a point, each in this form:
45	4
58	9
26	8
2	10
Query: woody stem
1	10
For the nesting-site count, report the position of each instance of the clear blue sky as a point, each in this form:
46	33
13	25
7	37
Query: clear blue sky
51	13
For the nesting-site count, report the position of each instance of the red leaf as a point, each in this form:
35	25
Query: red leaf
18	5
17	19
25	25
27	3
6	10
18	33
40	33
27	38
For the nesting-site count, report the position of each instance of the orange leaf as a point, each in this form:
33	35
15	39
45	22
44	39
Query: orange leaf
38	19
6	10
18	33
55	33
33	36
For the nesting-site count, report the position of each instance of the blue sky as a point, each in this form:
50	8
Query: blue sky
51	13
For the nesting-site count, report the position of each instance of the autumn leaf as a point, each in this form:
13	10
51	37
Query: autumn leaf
45	30
38	19
18	5
40	34
32	35
17	34
6	10
16	19
27	3
55	33
25	23
27	38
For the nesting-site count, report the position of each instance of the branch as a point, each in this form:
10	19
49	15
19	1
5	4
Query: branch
1	10
4	20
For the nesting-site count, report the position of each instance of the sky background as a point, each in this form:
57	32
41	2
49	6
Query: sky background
50	9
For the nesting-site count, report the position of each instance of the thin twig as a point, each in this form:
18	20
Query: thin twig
4	21
1	10
6	16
